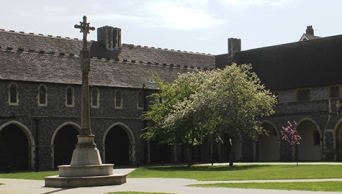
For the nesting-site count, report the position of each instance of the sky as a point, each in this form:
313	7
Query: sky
188	25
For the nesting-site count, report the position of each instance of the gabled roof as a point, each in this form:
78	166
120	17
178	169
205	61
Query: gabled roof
313	63
39	58
308	37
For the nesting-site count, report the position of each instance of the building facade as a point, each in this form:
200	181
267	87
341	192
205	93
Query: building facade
40	81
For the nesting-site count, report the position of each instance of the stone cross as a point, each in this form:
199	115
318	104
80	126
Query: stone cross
84	28
85	68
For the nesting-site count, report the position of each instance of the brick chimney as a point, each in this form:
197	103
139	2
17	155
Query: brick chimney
110	37
234	46
309	30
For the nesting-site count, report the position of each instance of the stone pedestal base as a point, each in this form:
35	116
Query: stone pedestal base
86	168
85	152
89	181
85	176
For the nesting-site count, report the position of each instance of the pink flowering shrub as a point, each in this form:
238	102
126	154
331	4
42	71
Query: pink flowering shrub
290	134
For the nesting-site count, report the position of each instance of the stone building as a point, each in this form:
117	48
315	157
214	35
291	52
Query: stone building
305	76
40	86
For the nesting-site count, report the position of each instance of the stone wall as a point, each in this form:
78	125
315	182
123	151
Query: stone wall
56	114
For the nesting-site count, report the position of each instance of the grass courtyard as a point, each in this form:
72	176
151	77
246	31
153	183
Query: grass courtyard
235	173
241	172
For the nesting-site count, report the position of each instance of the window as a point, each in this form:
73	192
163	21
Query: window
334	92
13	94
95	98
42	95
303	94
69	97
316	138
140	100
118	99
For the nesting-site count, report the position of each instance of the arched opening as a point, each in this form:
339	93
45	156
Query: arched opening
117	146
338	140
14	149
268	145
310	148
227	146
64	145
160	153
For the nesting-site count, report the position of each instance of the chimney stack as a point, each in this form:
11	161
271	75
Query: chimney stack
110	37
309	30
234	46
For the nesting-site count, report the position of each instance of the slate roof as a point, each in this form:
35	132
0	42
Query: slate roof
64	69
312	63
39	58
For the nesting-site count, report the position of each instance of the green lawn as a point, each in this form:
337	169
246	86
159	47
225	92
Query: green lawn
332	186
241	172
206	173
29	175
238	172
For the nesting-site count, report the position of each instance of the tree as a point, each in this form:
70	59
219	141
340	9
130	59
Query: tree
228	101
236	100
164	128
290	134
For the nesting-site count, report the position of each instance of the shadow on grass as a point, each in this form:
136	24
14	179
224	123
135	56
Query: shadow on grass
204	168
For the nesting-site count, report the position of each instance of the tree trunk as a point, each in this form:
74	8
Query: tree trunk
232	142
189	154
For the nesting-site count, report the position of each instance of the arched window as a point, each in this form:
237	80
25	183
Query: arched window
13	94
118	99
140	100
95	98
42	95
69	97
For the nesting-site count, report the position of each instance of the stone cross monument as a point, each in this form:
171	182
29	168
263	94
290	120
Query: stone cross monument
86	152
86	168
85	68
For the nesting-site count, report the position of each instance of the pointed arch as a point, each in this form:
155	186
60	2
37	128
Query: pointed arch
130	136
268	145
29	137
310	147
54	137
338	140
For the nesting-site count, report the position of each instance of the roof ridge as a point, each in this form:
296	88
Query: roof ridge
166	49
41	35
